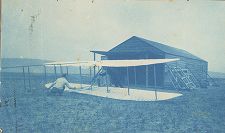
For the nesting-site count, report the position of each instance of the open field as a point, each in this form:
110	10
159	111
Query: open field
196	111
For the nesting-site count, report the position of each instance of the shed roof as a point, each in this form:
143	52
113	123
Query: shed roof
164	48
99	52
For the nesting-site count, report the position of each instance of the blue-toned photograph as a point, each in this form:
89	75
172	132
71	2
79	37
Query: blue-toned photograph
104	66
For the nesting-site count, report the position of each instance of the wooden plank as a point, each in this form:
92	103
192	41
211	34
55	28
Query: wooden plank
195	66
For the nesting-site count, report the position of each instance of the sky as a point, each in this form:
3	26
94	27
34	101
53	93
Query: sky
66	30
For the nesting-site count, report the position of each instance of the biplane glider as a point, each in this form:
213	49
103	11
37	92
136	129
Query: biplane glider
112	92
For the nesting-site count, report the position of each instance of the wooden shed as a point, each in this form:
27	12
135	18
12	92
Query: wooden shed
189	72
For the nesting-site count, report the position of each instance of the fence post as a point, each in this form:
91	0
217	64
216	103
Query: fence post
80	77
55	71
45	73
67	70
90	74
28	69
14	95
61	69
24	79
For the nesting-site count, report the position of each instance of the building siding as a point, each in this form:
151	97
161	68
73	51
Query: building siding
139	48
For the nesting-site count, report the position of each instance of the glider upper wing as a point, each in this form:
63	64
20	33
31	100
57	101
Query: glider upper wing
127	63
113	63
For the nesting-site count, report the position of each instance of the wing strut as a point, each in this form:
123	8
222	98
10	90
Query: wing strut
107	83
128	82
155	84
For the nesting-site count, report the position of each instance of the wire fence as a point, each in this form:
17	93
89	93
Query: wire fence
22	83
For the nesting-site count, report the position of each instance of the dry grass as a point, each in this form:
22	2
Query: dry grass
197	111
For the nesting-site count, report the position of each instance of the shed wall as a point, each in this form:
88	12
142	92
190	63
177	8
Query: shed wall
144	74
